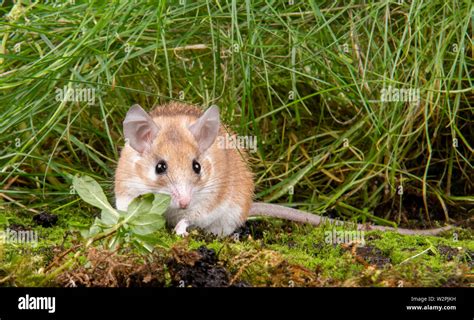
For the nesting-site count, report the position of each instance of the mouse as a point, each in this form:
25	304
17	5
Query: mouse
174	149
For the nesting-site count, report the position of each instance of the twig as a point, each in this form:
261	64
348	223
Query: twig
416	255
188	47
61	256
18	203
191	47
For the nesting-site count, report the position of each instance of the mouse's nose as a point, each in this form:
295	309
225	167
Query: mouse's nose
182	195
184	203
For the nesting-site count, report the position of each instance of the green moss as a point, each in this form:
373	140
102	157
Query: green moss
414	260
274	259
400	247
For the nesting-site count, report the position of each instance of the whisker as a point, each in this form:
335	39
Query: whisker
134	183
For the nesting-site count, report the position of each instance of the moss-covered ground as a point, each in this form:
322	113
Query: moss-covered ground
265	252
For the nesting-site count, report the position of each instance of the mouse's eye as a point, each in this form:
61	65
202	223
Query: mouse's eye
161	167
196	167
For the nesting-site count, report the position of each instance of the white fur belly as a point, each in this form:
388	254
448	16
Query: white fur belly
222	220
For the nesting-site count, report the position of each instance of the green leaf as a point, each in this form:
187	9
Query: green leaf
144	216
155	204
144	246
139	205
146	213
122	214
148	242
153	239
161	202
75	225
91	192
114	242
94	230
147	223
108	218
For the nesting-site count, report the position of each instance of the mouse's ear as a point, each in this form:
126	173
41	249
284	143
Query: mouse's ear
139	128
206	128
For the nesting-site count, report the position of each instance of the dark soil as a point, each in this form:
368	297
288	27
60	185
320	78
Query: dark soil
197	268
18	227
372	256
252	228
257	229
45	219
448	252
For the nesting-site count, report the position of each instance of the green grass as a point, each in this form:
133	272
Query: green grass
305	77
250	58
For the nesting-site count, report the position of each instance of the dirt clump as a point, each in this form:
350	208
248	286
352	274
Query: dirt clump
109	269
196	268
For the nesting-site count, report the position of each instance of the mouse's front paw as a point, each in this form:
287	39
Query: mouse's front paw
181	227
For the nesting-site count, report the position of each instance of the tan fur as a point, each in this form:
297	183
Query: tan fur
225	173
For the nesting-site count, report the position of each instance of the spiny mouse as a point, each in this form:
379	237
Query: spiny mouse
174	150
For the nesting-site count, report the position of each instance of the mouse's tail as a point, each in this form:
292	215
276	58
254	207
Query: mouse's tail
277	211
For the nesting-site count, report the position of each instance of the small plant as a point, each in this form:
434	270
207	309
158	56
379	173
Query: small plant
137	225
